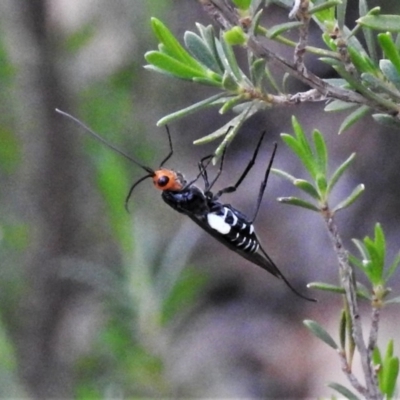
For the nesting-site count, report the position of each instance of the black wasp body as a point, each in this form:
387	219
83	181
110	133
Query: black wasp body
222	221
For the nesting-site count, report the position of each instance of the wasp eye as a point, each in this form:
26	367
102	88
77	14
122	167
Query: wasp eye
163	181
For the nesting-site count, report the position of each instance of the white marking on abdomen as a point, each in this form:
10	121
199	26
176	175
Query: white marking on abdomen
218	223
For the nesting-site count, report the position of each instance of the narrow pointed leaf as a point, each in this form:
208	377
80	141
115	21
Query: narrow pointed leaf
307	187
248	112
393	267
390	377
282	28
301	137
201	52
324	6
207	33
380	242
339	172
165	36
390	71
391	52
207	82
257	72
343	391
353	118
321	185
380	85
229	59
341	14
361	248
326	287
321	151
343	329
295	201
387	120
381	22
338	105
283	174
368	33
173	66
351	199
189	110
234	101
320	333
296	147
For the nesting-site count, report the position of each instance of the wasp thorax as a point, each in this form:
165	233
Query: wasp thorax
165	179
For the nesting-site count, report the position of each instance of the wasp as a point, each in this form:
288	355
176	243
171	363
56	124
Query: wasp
222	221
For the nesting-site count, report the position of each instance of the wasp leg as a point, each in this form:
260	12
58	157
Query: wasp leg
264	183
171	150
231	189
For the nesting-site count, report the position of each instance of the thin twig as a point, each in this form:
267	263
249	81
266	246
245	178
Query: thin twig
350	376
373	334
349	285
227	19
300	49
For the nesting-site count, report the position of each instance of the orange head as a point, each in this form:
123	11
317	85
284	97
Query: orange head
166	179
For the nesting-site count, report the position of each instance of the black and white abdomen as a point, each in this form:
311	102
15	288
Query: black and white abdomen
234	226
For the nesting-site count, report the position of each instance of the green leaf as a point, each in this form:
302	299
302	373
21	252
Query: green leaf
307	187
242	4
339	172
343	391
201	52
165	36
380	242
326	287
391	52
283	174
257	72
189	110
295	201
379	85
322	14
381	22
341	14
389	70
392	267
228	58
321	185
207	33
351	199
343	328
235	36
247	112
361	290
281	28
320	333
390	377
387	120
321	151
229	104
338	105
172	66
353	118
368	34
361	60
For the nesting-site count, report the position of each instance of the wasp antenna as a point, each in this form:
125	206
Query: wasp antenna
264	182
102	140
133	187
171	150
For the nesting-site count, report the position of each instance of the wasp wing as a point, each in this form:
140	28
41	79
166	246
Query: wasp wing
259	258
